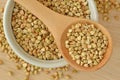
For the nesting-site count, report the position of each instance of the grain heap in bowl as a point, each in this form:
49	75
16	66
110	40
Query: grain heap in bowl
86	44
34	37
73	8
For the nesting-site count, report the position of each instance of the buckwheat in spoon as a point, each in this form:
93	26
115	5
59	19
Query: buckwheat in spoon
85	44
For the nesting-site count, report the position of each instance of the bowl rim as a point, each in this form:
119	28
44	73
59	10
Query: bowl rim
24	55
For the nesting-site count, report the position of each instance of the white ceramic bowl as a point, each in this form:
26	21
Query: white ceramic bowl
20	52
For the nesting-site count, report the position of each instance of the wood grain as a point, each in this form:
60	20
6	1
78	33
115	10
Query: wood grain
110	71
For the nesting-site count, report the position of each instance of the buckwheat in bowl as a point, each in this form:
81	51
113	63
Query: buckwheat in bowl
31	40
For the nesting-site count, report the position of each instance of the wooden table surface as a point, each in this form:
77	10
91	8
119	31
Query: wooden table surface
111	71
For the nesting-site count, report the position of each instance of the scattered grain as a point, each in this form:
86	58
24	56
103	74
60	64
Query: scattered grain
1	62
1	10
68	77
74	71
10	73
116	18
18	67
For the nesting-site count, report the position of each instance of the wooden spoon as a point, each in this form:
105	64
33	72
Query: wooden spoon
58	25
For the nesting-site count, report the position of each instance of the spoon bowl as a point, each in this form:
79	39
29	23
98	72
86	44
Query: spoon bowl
69	58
